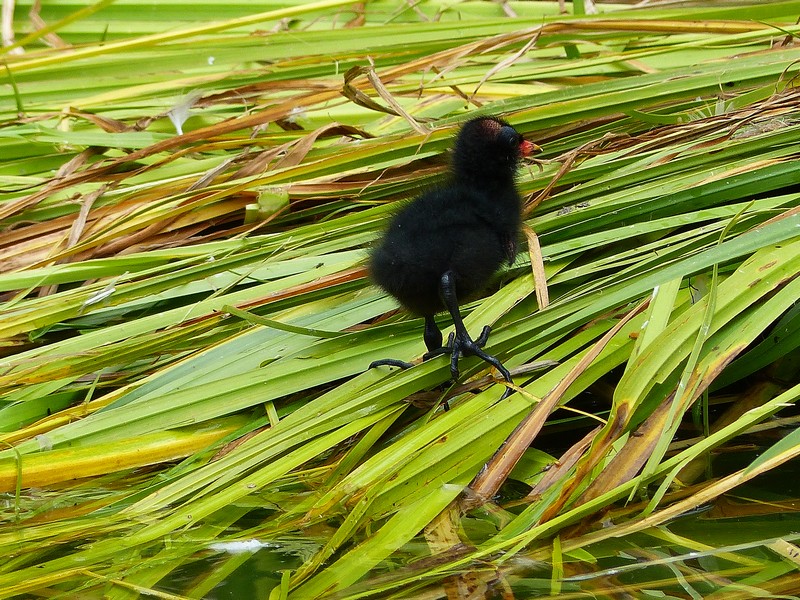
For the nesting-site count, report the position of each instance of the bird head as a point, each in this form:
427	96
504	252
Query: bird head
490	148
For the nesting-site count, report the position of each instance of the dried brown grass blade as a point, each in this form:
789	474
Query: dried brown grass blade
302	146
354	94
489	480
561	467
627	462
537	266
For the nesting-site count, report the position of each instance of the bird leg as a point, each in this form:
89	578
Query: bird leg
461	344
432	335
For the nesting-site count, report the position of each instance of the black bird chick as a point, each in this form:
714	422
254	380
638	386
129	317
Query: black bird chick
445	245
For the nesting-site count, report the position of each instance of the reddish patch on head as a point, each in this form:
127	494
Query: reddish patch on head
491	127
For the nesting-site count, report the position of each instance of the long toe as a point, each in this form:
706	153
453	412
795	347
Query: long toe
434	353
495	363
454	356
446	349
466	347
492	360
390	362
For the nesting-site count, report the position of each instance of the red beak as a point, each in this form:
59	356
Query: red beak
527	148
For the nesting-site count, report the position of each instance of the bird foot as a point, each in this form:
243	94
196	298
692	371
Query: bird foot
458	346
